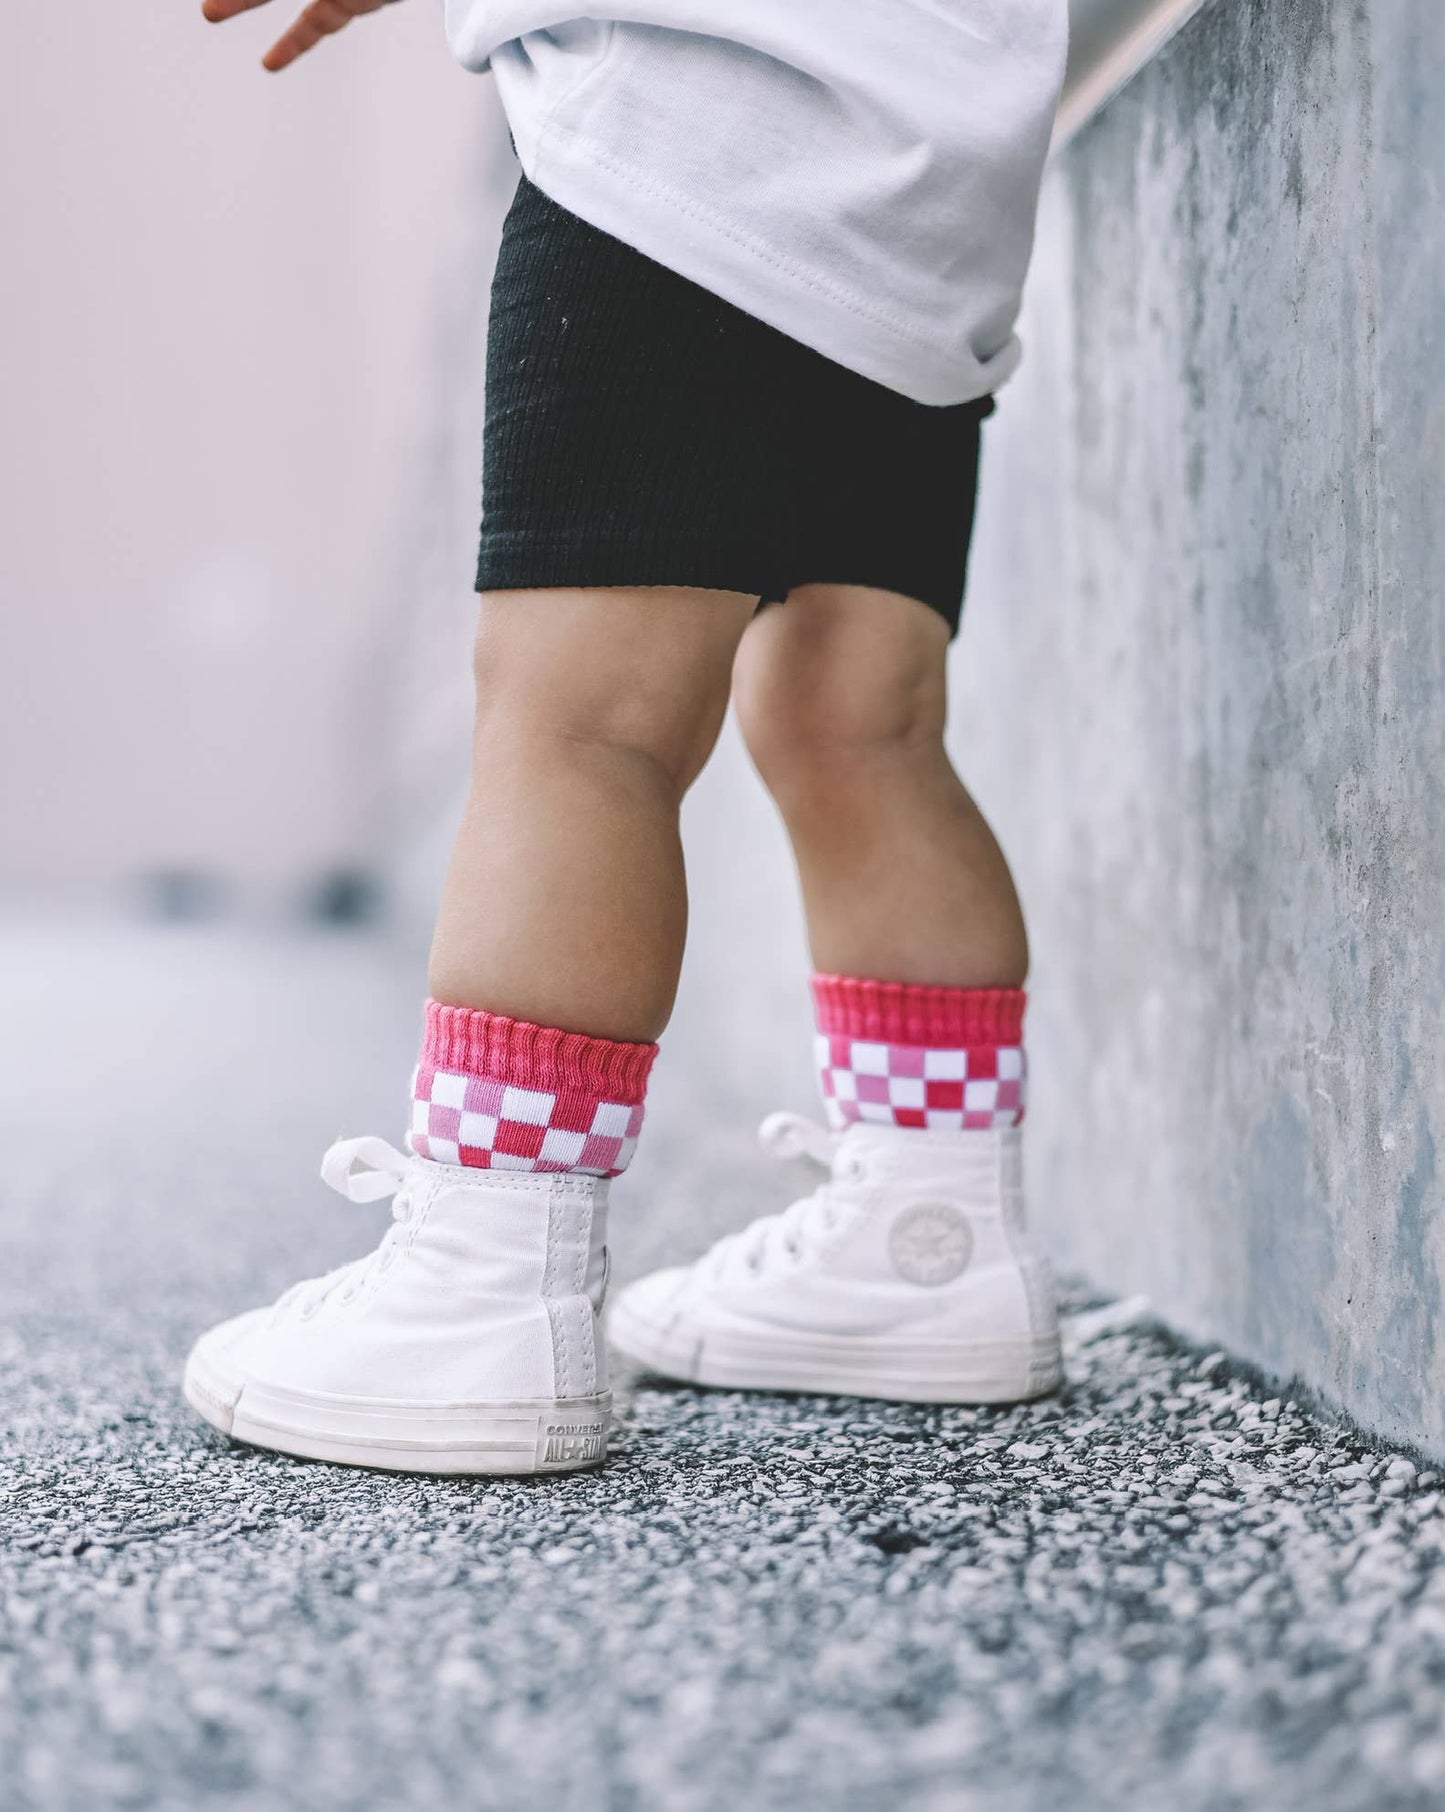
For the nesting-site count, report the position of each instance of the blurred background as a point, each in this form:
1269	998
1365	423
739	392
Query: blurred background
241	341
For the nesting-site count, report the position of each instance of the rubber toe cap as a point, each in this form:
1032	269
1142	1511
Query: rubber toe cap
653	1300
216	1368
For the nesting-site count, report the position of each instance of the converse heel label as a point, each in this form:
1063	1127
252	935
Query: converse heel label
565	1441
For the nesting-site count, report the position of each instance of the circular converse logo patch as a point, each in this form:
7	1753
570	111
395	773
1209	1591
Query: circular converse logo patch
931	1243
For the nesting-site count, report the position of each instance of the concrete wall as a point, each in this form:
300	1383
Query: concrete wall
1208	591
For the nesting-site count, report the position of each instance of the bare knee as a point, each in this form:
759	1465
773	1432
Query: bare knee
641	675
840	676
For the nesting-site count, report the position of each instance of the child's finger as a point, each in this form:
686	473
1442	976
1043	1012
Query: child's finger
217	10
318	21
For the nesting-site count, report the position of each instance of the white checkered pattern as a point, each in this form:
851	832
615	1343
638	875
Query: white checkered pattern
490	1125
908	1085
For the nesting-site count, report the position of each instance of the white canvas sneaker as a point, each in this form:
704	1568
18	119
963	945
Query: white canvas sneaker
908	1275
467	1342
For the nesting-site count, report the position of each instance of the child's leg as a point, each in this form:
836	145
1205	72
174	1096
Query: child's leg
467	1342
841	698
596	709
910	1274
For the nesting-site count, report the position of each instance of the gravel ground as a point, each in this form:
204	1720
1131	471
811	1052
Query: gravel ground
1164	1587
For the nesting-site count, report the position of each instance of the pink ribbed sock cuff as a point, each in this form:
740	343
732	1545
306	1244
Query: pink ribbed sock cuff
940	1059
493	1093
907	1013
534	1057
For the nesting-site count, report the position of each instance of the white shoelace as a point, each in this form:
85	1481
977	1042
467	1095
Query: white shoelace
800	1229
796	1136
384	1172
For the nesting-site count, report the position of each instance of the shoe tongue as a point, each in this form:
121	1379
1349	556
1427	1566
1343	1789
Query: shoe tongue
866	1146
864	1135
899	1152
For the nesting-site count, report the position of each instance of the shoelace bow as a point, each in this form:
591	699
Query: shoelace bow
797	1228
385	1173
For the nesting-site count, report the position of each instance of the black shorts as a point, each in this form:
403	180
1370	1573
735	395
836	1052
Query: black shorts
639	431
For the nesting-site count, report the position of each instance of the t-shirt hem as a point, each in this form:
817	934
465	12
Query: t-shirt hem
634	207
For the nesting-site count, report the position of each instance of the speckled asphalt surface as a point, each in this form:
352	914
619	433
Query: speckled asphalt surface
1161	1590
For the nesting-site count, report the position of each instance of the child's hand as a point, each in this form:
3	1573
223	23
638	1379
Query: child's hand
317	21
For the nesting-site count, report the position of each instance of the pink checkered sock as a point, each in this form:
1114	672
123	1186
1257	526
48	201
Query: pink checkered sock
502	1094
901	1055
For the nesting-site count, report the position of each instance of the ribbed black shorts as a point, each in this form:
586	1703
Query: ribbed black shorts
639	431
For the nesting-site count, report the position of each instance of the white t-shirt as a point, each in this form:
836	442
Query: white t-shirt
861	174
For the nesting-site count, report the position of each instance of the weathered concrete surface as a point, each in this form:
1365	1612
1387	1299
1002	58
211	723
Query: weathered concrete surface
1207	589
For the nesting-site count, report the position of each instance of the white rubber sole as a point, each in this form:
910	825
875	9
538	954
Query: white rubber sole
511	1438
934	1371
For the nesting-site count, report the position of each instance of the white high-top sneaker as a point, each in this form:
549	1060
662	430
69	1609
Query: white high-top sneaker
467	1342
908	1275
